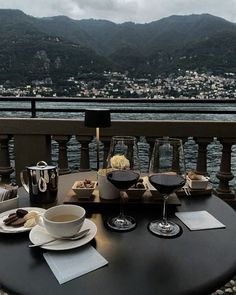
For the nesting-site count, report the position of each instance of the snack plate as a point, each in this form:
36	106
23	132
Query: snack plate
200	184
84	192
12	230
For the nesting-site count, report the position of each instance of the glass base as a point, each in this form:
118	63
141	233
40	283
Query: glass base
121	223
170	229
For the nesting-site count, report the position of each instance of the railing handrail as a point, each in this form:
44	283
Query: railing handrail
180	128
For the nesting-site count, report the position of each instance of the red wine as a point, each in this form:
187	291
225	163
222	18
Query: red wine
166	183
123	179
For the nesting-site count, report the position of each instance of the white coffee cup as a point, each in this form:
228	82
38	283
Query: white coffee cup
63	220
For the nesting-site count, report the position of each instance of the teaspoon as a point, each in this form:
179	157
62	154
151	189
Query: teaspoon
72	238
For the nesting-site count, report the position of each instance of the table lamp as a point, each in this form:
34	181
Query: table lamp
97	118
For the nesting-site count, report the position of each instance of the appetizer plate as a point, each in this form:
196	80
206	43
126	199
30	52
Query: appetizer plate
11	229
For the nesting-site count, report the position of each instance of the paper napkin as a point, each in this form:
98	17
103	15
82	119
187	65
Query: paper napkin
68	265
197	220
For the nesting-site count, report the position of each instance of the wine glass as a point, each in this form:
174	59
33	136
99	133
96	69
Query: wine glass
166	174
123	171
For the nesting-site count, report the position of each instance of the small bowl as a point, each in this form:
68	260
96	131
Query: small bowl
83	192
136	193
197	183
9	204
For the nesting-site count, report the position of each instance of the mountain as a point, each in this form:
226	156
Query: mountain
202	42
165	34
59	47
29	52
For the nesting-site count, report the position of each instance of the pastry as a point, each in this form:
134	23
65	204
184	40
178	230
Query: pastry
11	218
18	222
21	212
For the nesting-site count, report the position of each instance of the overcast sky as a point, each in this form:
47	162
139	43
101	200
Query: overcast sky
139	11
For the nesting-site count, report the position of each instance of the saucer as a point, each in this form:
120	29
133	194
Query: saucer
11	229
39	234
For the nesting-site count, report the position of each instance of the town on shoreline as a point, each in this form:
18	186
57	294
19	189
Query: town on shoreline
186	85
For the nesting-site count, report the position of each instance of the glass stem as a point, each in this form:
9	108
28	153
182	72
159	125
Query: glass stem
121	214
164	218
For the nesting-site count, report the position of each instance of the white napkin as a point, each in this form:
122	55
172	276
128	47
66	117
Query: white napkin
68	265
3	194
197	220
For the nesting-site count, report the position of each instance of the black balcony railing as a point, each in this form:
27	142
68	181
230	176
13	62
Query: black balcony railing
34	106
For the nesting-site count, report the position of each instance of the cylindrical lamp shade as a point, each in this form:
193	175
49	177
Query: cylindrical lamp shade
97	118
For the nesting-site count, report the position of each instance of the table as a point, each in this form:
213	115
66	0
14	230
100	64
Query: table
140	263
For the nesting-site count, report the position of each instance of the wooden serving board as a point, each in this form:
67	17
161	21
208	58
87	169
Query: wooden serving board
95	203
196	192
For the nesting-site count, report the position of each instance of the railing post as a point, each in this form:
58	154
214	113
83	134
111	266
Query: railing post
202	142
5	166
33	108
84	155
62	141
225	175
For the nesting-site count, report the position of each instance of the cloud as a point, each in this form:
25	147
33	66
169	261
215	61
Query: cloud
116	10
153	9
95	5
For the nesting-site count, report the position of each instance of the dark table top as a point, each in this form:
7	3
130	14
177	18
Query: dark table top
197	262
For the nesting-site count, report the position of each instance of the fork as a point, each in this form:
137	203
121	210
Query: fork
187	191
